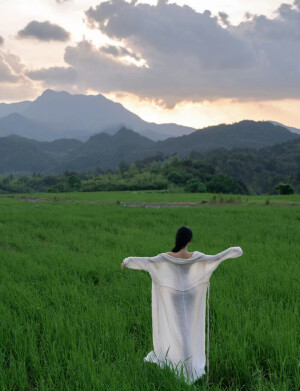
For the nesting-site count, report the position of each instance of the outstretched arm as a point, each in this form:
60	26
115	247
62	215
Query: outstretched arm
213	261
231	252
138	263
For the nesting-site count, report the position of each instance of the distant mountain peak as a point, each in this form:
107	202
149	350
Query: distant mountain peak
129	134
15	116
51	93
125	131
81	116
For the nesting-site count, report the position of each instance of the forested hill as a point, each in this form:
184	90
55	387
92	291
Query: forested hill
243	171
260	169
24	156
249	134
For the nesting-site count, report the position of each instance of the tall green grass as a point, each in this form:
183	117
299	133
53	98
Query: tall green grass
72	320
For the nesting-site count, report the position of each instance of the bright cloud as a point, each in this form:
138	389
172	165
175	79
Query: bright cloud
13	82
10	68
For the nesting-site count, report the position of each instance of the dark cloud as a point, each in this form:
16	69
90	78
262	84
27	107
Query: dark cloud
224	18
44	31
118	51
162	2
184	55
54	75
1	40
158	34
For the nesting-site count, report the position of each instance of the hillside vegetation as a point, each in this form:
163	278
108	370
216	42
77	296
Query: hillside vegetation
239	171
22	156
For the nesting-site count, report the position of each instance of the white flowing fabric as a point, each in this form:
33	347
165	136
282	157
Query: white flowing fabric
179	289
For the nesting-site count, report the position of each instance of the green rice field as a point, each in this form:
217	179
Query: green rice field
112	197
72	320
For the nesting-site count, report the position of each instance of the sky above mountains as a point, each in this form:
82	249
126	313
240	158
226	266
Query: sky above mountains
197	63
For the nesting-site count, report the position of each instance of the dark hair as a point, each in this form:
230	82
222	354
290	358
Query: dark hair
183	236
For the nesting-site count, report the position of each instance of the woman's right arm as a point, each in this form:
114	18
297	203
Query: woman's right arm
137	263
140	263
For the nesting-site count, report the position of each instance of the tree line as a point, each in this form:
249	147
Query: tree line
269	170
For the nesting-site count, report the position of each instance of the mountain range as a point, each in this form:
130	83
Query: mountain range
59	131
55	115
24	156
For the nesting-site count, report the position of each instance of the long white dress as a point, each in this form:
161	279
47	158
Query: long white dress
179	289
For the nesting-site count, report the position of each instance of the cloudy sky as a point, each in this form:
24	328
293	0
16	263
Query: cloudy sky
194	62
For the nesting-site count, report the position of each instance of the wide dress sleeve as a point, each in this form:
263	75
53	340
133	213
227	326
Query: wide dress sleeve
231	252
138	263
141	263
213	261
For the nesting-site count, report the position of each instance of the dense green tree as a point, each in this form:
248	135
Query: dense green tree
195	186
178	177
50	180
221	184
285	188
74	182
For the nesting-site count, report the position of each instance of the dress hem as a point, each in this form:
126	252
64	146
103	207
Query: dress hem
198	372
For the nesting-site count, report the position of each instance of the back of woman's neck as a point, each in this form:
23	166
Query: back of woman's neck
183	253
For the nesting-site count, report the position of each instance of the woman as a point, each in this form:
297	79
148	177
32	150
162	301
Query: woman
179	283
